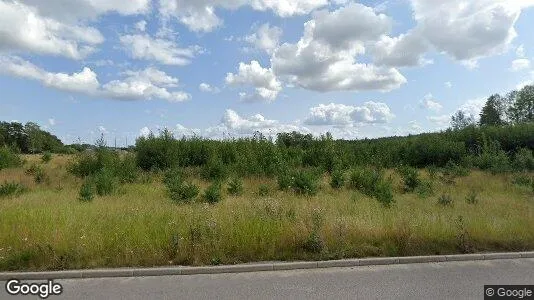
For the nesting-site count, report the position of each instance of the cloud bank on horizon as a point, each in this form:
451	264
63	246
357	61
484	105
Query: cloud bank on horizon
219	67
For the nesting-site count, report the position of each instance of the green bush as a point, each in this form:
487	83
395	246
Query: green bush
87	192
285	180
173	176
235	187
126	170
183	192
105	183
214	170
305	183
46	157
523	160
337	180
11	189
370	182
425	189
522	180
453	169
213	194
40	176
8	158
410	178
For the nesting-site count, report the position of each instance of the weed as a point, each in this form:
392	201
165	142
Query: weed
87	192
425	189
445	200
104	182
213	194
472	197
522	180
46	157
264	190
338	179
235	187
11	189
410	178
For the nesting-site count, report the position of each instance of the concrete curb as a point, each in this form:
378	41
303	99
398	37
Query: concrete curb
259	267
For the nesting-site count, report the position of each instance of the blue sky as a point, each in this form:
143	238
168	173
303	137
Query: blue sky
214	68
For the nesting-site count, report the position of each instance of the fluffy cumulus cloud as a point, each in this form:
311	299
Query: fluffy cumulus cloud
136	85
266	38
468	30
207	88
324	59
23	30
200	16
520	64
266	85
430	103
145	47
346	115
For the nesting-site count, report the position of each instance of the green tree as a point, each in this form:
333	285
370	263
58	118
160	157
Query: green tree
491	112
522	109
460	120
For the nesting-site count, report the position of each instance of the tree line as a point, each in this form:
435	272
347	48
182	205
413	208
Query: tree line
28	138
516	107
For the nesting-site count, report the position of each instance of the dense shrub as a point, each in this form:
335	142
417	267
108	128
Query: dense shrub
522	180
337	179
453	170
105	183
214	170
425	189
305	183
46	157
87	192
235	187
523	160
213	194
40	176
370	181
183	192
8	158
285	180
126	170
11	189
410	178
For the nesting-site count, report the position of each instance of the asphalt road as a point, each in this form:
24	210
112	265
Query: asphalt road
450	280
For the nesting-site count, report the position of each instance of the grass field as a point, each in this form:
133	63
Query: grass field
48	228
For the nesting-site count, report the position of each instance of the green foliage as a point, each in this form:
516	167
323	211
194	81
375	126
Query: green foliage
46	157
235	187
522	108
461	121
305	183
11	189
183	191
87	191
8	158
453	170
523	160
105	183
425	189
313	243
40	176
410	178
491	115
445	200
28	138
371	182
285	180
213	194
522	180
126	169
337	179
214	170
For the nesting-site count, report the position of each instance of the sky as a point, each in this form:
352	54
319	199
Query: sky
229	68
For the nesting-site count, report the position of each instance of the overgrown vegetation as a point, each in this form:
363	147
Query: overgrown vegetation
11	189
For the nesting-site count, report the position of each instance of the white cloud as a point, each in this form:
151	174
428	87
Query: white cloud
402	51
324	59
468	30
136	85
144	132
141	25
430	103
23	30
143	46
200	16
448	84
520	64
473	106
267	38
207	88
346	115
52	122
267	86
441	121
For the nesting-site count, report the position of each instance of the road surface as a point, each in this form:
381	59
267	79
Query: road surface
448	280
